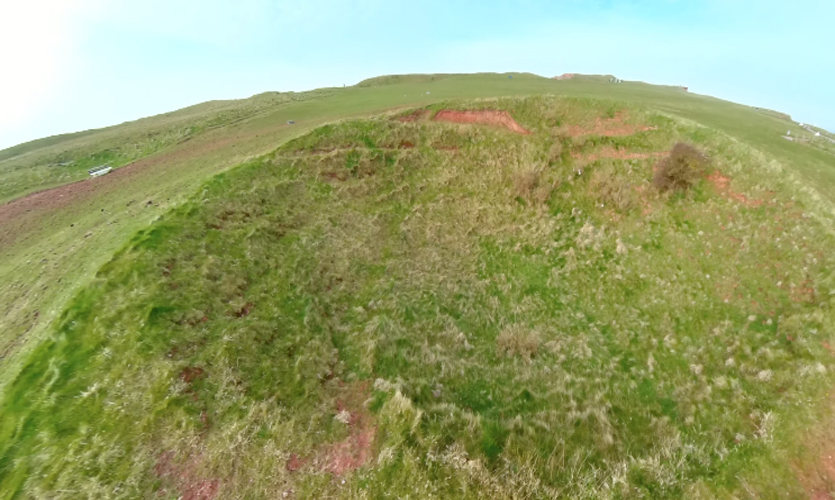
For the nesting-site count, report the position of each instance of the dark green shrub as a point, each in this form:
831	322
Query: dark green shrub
681	169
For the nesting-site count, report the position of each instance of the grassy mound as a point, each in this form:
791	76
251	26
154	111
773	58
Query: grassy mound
378	81
387	309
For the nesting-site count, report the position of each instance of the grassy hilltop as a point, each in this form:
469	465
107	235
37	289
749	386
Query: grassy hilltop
374	303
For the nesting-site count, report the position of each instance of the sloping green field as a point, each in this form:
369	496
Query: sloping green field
395	307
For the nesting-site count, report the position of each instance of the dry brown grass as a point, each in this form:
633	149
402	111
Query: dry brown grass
613	190
516	340
531	187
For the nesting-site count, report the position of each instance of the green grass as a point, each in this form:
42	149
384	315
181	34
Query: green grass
495	317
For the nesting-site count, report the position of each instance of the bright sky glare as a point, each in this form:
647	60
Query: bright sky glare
71	65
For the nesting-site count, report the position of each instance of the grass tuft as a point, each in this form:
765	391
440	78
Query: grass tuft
516	340
613	190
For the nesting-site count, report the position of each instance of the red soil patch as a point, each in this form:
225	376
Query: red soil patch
642	197
616	154
720	181
487	117
295	463
722	184
191	373
340	176
351	453
804	293
355	450
818	476
565	76
244	310
185	480
608	127
417	115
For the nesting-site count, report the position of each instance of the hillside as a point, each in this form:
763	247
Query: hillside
429	295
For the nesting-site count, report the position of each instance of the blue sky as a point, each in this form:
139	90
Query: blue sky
76	64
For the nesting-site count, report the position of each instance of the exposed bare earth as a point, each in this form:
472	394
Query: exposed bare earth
722	184
818	477
355	450
616	126
352	452
485	117
184	479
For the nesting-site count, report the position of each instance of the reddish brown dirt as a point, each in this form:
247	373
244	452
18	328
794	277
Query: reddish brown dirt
295	463
487	117
335	176
191	373
616	154
565	76
415	116
805	293
642	196
720	181
818	478
816	469
244	310
608	127
354	451
722	184
184	478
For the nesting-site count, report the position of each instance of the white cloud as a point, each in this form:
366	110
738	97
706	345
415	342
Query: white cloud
36	52
233	25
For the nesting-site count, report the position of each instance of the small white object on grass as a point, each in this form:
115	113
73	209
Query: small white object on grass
343	417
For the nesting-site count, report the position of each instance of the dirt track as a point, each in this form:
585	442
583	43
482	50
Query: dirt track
487	117
616	126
